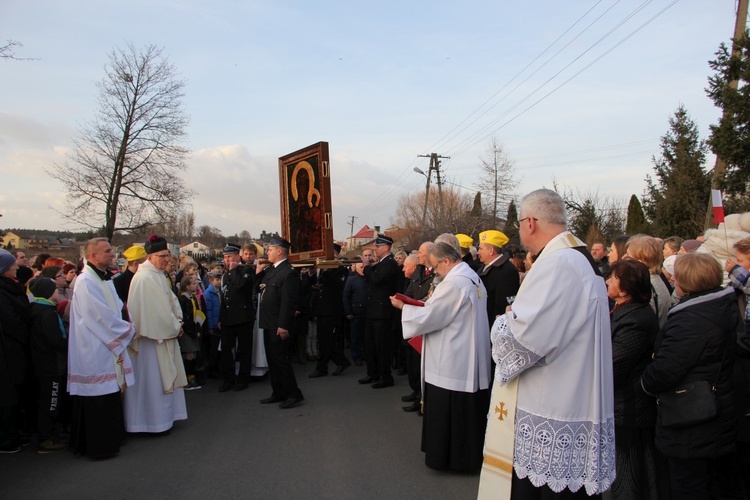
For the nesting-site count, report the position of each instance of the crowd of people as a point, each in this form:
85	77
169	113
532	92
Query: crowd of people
555	369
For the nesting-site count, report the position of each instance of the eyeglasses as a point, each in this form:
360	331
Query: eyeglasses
517	225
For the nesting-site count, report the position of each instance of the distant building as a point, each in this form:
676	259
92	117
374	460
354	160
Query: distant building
196	250
15	241
365	238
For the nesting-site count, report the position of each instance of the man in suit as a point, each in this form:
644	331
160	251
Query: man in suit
236	317
499	275
329	309
419	288
279	290
382	279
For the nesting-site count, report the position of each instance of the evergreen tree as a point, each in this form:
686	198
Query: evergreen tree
730	139
637	222
510	229
476	210
674	201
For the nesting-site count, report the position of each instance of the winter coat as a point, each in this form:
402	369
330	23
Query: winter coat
421	282
330	291
698	343
213	305
15	313
7	390
634	329
355	296
501	279
49	342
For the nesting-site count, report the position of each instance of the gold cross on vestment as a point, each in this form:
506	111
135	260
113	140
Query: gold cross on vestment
501	410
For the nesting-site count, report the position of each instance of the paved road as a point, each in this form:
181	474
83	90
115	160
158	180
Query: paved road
345	441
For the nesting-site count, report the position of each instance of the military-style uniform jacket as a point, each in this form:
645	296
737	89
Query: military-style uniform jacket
382	281
237	288
279	289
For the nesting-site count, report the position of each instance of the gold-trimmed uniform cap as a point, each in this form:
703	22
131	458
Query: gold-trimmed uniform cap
278	241
383	240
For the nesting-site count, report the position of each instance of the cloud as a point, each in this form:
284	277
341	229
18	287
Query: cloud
238	190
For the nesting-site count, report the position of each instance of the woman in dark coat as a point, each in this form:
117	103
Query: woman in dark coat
15	366
634	329
697	344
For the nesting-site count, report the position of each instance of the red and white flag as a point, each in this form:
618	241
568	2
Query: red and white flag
717	205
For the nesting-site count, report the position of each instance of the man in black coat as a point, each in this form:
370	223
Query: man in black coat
236	317
499	275
328	311
279	290
135	255
382	279
419	288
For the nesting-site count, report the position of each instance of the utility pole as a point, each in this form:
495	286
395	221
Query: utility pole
353	218
720	167
434	165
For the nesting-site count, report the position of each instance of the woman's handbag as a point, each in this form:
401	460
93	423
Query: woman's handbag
690	403
687	404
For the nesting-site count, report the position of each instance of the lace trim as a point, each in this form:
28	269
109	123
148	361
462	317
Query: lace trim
510	356
565	454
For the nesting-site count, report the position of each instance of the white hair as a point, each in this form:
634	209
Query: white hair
545	205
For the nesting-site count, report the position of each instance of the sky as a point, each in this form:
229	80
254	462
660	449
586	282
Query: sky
578	93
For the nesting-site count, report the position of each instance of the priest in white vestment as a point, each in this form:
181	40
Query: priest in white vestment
455	362
157	399
99	366
555	347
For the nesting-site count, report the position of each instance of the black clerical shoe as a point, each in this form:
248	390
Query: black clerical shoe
272	399
291	402
241	386
409	398
340	369
415	406
227	385
318	374
368	380
383	384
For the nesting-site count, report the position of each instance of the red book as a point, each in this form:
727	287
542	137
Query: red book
415	342
408	300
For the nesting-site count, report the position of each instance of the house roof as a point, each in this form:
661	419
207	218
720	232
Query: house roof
365	232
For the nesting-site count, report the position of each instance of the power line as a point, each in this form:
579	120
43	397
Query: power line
574	76
469	142
439	141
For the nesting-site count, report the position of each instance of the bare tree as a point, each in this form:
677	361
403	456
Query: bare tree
210	236
125	171
457	216
8	50
496	182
